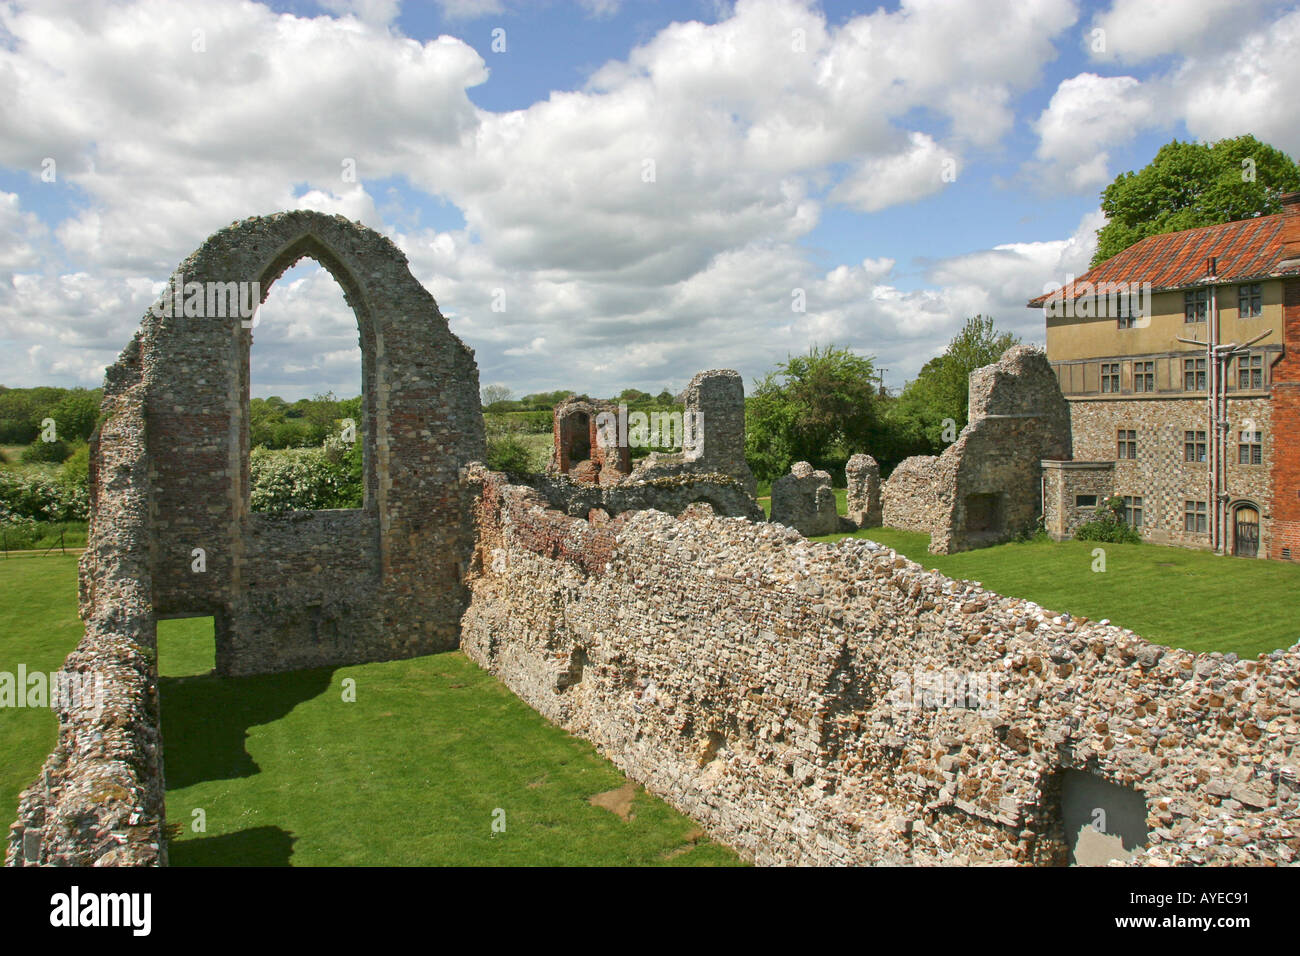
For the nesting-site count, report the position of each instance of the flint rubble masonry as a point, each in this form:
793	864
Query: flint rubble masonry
752	678
804	500
986	487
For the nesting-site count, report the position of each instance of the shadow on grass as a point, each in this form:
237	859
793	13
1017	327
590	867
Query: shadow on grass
205	720
260	846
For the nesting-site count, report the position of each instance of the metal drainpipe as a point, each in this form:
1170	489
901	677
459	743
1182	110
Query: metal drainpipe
1212	434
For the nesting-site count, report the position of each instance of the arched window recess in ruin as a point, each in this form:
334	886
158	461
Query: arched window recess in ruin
371	422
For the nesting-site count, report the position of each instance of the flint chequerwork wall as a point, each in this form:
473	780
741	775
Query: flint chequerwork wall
790	695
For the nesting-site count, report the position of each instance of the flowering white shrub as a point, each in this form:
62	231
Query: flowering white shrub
305	479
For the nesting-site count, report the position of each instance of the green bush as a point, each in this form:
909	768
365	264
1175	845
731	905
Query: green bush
51	452
17	532
507	453
1109	525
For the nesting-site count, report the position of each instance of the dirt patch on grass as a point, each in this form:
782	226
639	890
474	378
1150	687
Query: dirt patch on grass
692	840
617	801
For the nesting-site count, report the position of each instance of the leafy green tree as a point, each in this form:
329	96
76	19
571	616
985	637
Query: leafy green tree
46	452
1194	184
818	407
506	452
941	392
22	409
76	413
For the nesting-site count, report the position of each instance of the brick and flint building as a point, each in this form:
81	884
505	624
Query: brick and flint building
1180	359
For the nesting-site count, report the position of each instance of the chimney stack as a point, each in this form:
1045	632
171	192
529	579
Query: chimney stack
1290	226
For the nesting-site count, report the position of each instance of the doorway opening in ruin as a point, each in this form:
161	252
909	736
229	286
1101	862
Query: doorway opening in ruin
187	646
1100	820
306	416
579	438
984	514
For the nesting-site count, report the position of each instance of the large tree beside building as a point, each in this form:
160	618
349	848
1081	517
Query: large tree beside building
1189	185
937	400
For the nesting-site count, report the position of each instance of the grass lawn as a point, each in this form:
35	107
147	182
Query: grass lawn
411	773
38	627
1173	596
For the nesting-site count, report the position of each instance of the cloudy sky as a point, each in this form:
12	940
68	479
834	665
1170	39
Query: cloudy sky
650	188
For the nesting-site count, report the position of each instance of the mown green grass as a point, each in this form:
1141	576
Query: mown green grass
1172	596
288	772
38	627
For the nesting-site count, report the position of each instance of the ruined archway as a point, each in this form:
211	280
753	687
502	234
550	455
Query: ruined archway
320	587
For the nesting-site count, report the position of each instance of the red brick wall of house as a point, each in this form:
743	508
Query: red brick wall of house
1286	430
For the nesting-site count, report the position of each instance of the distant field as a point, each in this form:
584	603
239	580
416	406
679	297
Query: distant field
539	446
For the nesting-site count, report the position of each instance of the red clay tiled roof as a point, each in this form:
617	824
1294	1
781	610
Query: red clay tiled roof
1246	249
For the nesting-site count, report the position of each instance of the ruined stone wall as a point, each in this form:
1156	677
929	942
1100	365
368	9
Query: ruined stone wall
862	495
671	494
804	500
1018	417
715	400
986	487
915	497
794	696
99	797
581	449
324	587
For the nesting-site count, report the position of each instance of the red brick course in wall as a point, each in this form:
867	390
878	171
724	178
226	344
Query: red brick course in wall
1286	430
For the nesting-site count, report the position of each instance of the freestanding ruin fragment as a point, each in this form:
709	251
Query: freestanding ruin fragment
590	459
714	416
582	449
804	500
862	497
986	487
